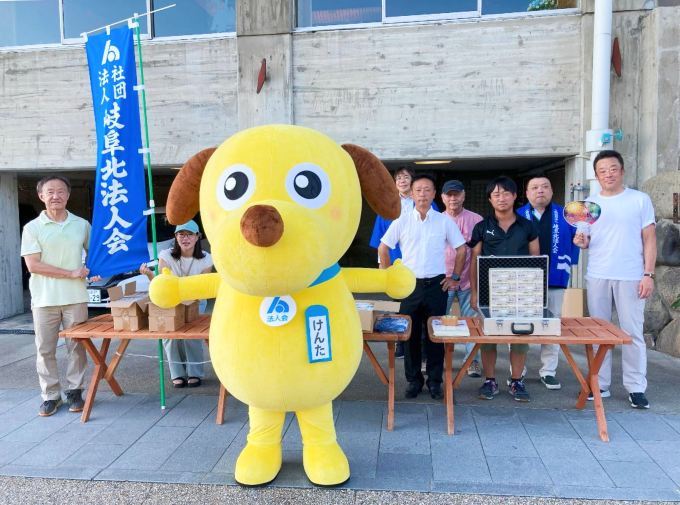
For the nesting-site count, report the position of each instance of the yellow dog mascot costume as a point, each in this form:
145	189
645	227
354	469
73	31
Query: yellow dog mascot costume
280	205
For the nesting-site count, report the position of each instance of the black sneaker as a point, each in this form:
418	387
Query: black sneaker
74	399
638	401
488	390
49	407
509	381
413	389
399	351
518	390
603	394
551	382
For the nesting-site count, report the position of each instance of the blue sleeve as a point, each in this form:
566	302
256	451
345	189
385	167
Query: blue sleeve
575	250
379	229
434	206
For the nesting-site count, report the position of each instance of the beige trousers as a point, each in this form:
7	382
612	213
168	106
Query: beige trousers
46	321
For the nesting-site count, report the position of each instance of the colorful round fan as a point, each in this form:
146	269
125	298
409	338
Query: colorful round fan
582	214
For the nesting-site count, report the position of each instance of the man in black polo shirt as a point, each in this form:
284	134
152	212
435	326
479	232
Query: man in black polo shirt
503	233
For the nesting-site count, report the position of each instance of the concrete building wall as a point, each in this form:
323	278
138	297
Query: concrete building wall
46	107
491	88
11	299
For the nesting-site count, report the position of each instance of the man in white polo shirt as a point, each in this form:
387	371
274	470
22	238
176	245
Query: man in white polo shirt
621	259
423	235
52	246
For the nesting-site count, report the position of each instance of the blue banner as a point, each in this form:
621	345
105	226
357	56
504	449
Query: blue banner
118	242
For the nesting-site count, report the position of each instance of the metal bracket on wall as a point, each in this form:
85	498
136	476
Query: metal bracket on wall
675	207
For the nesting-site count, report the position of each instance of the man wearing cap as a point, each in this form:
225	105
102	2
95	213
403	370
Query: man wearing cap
453	196
186	257
555	240
423	235
52	246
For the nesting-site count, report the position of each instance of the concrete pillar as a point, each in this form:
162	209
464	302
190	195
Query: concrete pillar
11	289
264	31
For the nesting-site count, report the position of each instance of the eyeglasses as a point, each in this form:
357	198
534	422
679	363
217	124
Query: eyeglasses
610	170
186	235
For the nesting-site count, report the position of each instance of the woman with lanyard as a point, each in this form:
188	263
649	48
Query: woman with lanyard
184	258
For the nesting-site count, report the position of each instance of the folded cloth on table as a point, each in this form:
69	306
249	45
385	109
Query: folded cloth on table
391	325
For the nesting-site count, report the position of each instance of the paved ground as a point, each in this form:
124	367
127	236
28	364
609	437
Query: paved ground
541	449
48	492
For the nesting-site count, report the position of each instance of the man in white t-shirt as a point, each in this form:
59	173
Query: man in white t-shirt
622	255
423	235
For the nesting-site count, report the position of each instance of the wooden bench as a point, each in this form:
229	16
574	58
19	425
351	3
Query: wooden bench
575	331
102	327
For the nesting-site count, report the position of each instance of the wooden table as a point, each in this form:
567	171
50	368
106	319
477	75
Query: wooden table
575	331
391	339
102	327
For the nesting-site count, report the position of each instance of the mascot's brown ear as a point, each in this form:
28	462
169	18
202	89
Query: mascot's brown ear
183	201
377	185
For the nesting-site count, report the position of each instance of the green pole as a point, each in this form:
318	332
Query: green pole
152	204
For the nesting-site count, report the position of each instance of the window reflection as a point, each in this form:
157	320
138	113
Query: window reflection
85	15
194	17
338	12
398	8
25	23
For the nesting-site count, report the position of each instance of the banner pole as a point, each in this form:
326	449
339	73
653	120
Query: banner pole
152	204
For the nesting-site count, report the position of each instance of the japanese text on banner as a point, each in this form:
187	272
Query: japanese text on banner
119	237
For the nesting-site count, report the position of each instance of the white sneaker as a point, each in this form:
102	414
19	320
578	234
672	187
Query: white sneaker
603	394
475	369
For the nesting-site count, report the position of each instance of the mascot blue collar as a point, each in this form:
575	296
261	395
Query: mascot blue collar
326	275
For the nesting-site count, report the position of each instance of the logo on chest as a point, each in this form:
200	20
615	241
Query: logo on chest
277	310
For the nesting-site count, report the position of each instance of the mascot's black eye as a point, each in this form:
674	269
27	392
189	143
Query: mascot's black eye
308	185
236	186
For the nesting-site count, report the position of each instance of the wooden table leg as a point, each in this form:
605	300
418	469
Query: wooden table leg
391	350
221	404
463	369
375	364
221	398
100	369
584	384
115	361
595	387
448	387
583	397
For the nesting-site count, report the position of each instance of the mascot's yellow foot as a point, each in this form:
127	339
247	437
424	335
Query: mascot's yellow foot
258	464
325	465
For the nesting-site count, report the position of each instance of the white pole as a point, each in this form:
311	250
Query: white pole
599	120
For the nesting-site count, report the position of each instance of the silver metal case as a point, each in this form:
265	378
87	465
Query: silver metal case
544	324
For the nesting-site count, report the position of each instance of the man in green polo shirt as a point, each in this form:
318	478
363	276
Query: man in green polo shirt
52	246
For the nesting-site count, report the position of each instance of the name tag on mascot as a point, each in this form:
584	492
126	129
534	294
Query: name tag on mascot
318	334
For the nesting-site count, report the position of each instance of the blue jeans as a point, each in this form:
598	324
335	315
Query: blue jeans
465	311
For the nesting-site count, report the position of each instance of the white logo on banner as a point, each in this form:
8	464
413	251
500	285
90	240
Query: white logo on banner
111	53
277	310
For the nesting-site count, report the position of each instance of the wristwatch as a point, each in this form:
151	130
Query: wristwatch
651	276
456	277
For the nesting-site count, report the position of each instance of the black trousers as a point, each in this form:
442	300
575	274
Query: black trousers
427	300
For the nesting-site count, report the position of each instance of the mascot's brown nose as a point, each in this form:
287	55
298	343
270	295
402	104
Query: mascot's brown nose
262	225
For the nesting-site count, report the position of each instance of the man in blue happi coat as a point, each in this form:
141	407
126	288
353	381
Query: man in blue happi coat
556	241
